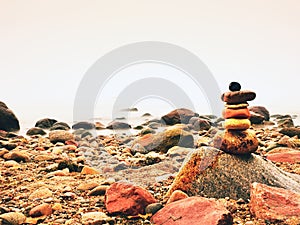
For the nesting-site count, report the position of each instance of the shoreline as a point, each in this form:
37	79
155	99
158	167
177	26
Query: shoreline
64	175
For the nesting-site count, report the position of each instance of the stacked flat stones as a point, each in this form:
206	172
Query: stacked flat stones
237	137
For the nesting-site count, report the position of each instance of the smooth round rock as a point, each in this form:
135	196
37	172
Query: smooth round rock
237	124
13	218
60	136
234	86
35	131
236	97
153	208
236	141
85	125
45	123
8	121
243	113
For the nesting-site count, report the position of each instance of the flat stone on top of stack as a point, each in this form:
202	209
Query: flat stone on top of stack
236	139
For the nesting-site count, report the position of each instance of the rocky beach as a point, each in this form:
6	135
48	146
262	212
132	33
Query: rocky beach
173	169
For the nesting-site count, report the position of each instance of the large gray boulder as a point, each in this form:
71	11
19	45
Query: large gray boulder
213	173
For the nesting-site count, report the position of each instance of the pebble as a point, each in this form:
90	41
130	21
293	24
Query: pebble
100	190
57	207
60	136
153	208
94	218
87	186
87	170
177	195
11	163
42	192
41	210
13	218
18	156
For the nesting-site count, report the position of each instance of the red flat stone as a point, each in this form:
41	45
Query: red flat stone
271	203
284	155
236	113
193	210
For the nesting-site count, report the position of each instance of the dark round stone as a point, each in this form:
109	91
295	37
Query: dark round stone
234	86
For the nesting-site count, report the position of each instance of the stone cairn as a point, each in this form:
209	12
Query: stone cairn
237	137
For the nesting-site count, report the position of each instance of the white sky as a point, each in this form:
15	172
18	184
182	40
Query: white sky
47	46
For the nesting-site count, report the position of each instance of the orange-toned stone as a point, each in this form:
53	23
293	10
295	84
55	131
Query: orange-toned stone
57	206
236	141
89	170
177	195
242	113
41	210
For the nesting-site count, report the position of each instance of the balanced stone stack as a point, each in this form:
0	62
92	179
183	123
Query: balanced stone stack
237	137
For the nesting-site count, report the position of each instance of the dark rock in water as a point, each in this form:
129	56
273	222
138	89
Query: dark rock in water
261	111
118	125
281	117
199	123
160	121
290	131
162	142
154	125
35	131
212	173
147	130
130	110
179	116
84	125
256	118
120	118
45	123
138	127
8	120
234	86
285	121
146	114
60	126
